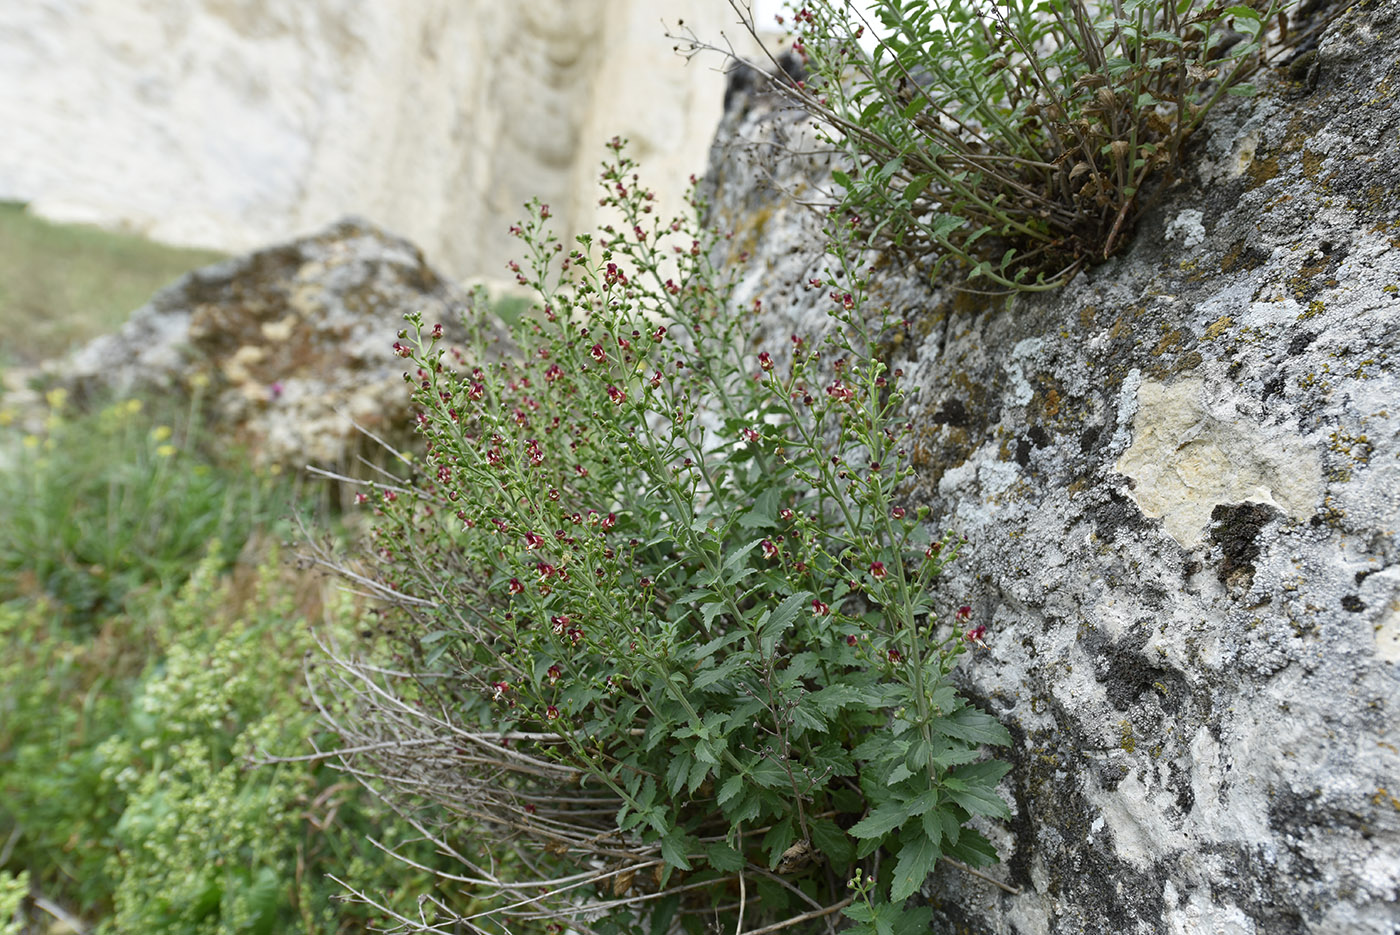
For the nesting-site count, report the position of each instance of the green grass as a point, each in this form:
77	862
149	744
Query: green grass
63	284
151	646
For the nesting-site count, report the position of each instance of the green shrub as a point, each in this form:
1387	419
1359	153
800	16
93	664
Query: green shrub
132	800
107	503
1020	139
134	696
675	644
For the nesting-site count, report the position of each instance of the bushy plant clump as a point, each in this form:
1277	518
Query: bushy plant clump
142	671
676	650
104	503
1019	139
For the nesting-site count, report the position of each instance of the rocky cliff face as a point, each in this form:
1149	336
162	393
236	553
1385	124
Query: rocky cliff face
1180	482
234	123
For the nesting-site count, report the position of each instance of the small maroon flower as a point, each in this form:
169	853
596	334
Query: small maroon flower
437	330
897	513
644	582
361	497
560	623
785	513
529	808
964	612
597	353
545	570
976	635
476	391
877	570
575	635
851	639
555	372
765	360
820	608
750	435
544	212
840	393
609	521
616	395
655	381
552	713
500	690
580	470
894	655
533	540
515	587
390	496
402	350
554	673
933	550
659	334
770	551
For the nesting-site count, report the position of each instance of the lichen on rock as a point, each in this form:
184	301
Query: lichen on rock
288	348
1179	478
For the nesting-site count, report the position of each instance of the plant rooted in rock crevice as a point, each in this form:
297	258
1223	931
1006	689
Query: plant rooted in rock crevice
672	646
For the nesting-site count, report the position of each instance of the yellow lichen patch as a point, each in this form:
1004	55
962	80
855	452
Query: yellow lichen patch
1312	164
1261	171
1169	340
1217	327
1126	739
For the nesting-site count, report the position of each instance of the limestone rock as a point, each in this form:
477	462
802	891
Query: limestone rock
289	347
1180	482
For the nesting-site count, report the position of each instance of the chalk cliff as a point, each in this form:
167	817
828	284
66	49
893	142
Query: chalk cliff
233	123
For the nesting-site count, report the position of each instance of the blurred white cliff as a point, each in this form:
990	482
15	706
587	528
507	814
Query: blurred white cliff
231	123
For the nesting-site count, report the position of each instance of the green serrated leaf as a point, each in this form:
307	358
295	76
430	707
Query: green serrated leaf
828	838
674	848
881	821
731	787
782	617
974	726
710	611
916	861
724	858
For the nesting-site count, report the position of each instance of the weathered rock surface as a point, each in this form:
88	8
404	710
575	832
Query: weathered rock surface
235	123
1180	482
289	347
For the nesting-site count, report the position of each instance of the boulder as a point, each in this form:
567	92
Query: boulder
287	348
1179	479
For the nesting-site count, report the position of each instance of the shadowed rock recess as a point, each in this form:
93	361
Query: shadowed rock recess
1180	482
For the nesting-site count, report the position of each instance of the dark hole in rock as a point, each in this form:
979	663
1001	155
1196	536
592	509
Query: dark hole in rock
953	413
1235	528
1300	342
1353	604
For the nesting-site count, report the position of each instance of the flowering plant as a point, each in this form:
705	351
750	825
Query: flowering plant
672	640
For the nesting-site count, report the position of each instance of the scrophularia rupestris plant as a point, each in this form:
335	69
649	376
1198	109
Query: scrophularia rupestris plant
671	646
